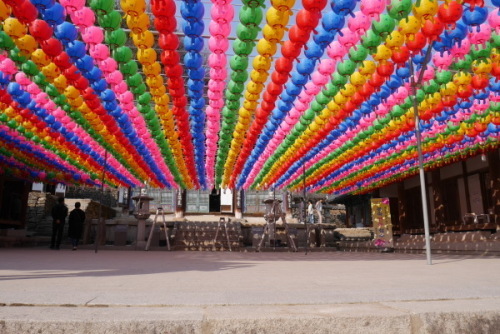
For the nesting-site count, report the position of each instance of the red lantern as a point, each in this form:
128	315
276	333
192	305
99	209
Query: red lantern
165	25
495	71
52	47
464	91
307	20
284	64
366	90
417	43
479	81
163	8
376	80
291	50
385	68
400	56
168	41
174	71
432	29
41	30
357	98
298	35
170	57
279	78
72	73
25	12
450	12
63	61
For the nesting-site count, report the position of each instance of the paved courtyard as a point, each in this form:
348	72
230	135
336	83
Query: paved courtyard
219	292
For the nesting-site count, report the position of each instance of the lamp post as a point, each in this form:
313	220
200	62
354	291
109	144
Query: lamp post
423	185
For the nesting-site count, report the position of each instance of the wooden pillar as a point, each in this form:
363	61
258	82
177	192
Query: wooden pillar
438	200
180	202
466	186
238	204
287	197
402	207
494	170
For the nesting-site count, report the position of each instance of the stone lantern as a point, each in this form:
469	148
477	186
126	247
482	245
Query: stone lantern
141	213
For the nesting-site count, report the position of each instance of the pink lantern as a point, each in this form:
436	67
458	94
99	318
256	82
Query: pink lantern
99	52
93	35
83	17
336	51
72	5
373	8
359	24
326	66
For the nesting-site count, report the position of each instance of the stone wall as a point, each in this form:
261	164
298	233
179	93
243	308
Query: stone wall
38	217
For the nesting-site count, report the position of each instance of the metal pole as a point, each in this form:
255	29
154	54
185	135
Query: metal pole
423	185
96	243
305	203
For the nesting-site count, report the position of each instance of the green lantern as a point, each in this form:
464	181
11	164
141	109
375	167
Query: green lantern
129	68
322	98
30	68
238	63
101	7
243	48
6	43
144	99
239	76
330	89
309	115
346	67
122	54
443	77
236	87
400	9
246	33
110	21
140	89
250	16
339	80
371	41
115	38
358	54
384	26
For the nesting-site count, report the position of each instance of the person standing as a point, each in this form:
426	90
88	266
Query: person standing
319	209
59	214
310	212
76	220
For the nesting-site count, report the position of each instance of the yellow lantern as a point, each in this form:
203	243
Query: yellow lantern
146	56
409	26
40	58
259	76
266	48
273	35
357	79
277	19
395	40
368	67
383	53
426	10
27	45
254	87
14	28
152	70
144	40
138	24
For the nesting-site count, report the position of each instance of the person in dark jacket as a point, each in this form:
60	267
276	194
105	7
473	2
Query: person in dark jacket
76	220
59	213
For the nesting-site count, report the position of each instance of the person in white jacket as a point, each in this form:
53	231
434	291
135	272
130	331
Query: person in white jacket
310	212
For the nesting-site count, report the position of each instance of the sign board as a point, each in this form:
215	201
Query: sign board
382	225
60	189
37	186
